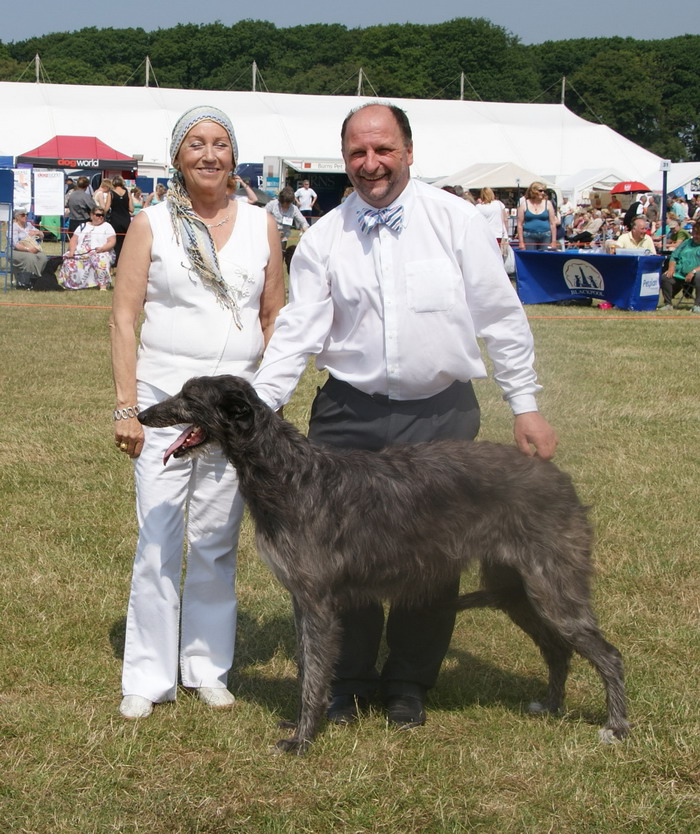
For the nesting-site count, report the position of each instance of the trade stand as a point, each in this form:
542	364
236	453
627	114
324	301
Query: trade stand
629	282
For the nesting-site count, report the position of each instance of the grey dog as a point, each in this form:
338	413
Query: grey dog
338	528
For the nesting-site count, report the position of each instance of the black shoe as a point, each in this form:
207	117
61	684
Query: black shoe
405	711
346	709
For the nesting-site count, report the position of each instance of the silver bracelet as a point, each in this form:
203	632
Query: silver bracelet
125	413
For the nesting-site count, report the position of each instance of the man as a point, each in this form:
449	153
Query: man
306	199
392	303
637	238
652	214
79	204
683	270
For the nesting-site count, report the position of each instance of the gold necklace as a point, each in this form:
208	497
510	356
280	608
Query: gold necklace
220	223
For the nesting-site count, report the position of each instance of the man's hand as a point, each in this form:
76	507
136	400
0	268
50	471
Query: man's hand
534	435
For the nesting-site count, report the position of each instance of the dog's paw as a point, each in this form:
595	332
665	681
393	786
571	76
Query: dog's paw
292	745
285	724
613	735
543	708
607	736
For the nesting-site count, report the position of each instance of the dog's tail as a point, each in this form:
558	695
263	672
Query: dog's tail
481	599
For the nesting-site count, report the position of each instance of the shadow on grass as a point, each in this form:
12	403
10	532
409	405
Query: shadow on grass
468	682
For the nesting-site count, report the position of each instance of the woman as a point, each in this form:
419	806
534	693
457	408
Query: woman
122	209
88	261
103	196
136	199
210	272
537	227
27	256
494	212
156	197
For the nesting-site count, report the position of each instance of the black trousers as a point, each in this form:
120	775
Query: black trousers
417	638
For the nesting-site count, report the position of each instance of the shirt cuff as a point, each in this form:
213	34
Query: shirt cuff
522	403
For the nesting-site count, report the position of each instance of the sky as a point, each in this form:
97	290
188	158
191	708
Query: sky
533	21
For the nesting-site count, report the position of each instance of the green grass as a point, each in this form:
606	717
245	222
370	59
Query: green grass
623	393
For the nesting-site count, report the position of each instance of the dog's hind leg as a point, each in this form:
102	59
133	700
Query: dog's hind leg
567	613
555	652
318	635
607	661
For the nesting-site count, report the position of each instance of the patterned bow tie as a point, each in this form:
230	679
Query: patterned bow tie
391	217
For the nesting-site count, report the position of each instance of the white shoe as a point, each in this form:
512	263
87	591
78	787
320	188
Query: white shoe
135	706
215	696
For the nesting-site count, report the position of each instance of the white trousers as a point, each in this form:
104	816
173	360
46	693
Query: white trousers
187	502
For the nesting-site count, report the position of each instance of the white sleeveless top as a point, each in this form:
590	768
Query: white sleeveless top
186	331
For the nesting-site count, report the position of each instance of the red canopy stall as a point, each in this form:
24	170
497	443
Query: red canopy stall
79	152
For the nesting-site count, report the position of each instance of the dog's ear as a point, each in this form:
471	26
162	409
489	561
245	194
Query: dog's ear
237	402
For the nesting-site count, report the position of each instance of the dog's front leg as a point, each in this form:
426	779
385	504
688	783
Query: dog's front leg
286	724
318	632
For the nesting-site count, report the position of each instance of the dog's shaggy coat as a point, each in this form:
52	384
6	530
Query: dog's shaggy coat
339	528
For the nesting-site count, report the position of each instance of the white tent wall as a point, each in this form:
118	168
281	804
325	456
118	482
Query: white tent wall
448	135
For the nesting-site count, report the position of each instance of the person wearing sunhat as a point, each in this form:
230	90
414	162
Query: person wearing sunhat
210	272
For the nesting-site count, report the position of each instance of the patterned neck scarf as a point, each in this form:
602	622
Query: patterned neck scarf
188	226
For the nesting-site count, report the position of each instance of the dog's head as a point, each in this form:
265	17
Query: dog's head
213	407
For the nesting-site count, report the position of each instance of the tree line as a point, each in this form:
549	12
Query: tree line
645	90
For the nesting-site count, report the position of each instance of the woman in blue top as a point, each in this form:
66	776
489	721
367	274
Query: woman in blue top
537	227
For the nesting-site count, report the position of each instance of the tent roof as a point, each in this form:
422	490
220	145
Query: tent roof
73	151
681	174
84	146
448	135
600	179
492	175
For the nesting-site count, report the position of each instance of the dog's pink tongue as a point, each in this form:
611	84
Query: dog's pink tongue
176	445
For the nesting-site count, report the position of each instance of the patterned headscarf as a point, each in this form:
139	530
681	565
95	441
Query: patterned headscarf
196	237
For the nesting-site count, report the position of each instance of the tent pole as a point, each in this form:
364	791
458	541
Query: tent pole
255	73
563	89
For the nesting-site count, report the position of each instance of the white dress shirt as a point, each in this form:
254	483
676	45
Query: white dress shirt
399	312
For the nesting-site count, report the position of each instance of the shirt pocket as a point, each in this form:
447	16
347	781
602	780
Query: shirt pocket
431	285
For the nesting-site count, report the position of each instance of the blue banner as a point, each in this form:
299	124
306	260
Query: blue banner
627	282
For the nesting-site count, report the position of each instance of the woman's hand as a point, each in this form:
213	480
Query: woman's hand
128	436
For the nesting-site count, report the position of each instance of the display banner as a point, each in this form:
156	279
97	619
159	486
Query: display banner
48	192
629	283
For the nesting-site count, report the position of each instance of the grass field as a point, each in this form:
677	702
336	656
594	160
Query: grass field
623	392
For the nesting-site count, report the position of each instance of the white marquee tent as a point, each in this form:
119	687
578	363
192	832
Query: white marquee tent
448	135
492	175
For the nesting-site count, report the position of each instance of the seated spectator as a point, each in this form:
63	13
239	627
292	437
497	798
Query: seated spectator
591	228
90	255
683	271
286	215
674	235
615	205
27	256
637	238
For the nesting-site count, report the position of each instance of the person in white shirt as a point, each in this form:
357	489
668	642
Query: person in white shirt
392	303
306	199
